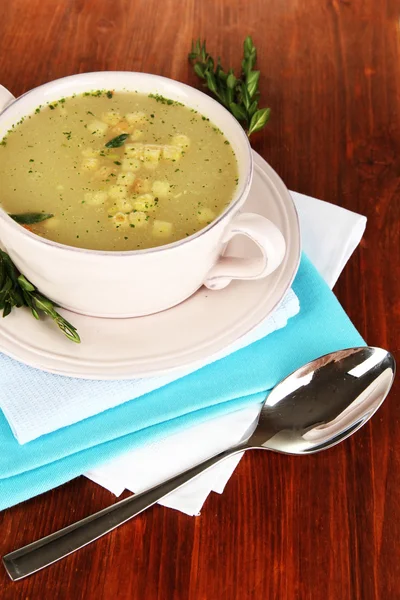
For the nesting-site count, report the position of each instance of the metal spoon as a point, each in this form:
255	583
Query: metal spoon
314	408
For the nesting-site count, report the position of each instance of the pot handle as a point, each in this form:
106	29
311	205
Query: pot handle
6	98
267	237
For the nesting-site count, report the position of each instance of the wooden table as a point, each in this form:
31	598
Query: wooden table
317	528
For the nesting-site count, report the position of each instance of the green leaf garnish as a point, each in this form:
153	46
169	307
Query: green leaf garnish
252	82
31	218
231	81
17	291
238	94
238	111
25	284
118	141
258	120
200	69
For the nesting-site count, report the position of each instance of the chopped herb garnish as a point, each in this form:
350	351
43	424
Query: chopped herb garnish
163	100
118	141
31	218
98	93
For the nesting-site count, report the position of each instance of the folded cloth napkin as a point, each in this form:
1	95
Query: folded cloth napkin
329	234
223	387
35	403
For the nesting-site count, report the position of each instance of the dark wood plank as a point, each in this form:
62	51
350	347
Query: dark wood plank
321	527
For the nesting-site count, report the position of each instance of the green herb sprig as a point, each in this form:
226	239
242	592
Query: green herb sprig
17	291
31	218
118	141
239	95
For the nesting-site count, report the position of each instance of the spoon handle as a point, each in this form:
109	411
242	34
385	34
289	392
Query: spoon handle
49	549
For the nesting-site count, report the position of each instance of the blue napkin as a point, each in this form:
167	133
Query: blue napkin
227	385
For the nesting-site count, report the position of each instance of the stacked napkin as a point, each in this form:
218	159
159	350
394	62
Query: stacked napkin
151	429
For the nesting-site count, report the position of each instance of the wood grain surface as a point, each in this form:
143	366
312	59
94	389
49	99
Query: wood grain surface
316	528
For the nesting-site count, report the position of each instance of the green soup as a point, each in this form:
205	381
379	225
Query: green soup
118	171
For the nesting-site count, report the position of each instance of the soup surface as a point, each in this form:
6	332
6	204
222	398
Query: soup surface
118	171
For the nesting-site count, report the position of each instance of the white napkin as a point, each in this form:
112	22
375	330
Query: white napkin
35	403
329	236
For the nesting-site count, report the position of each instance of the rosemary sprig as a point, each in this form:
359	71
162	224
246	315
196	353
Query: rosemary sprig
239	95
17	291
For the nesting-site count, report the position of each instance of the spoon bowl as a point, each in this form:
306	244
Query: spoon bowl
324	402
314	408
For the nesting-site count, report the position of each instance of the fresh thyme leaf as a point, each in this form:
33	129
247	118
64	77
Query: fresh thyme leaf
7	287
25	284
17	297
259	120
249	55
239	95
252	108
252	82
118	141
44	304
199	69
10	269
211	81
31	218
239	112
68	330
231	81
17	291
35	313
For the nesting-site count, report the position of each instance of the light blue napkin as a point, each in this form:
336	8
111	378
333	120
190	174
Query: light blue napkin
224	386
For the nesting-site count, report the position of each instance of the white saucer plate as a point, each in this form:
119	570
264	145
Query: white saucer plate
201	326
